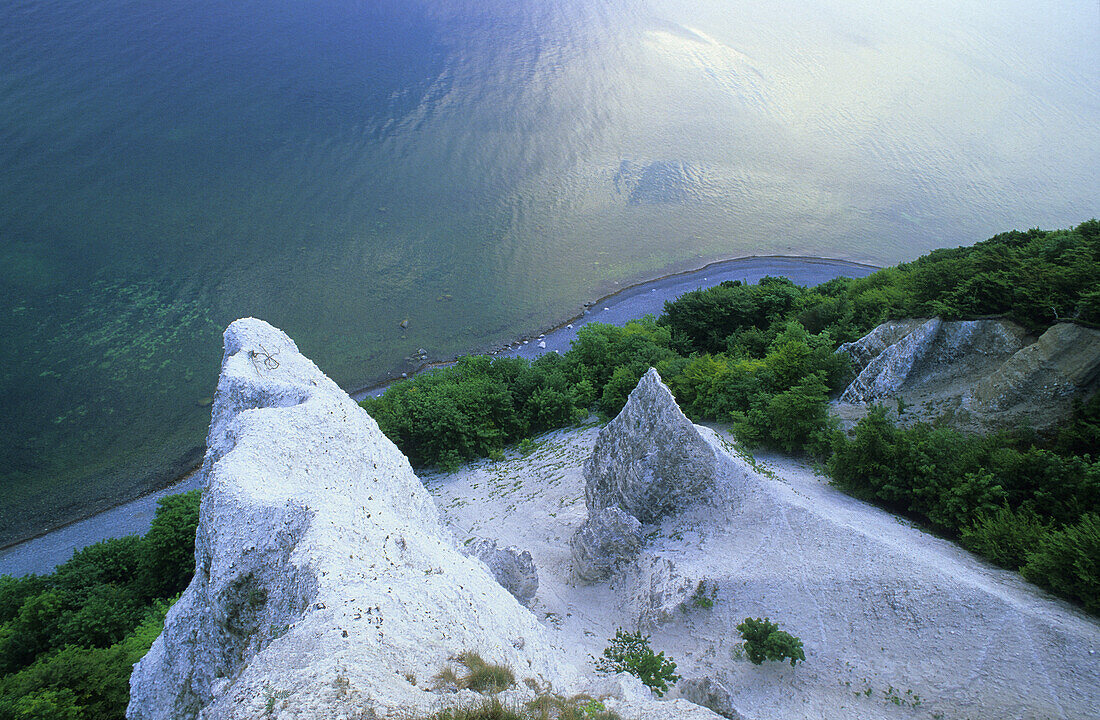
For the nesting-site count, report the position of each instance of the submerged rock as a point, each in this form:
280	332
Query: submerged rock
513	569
324	578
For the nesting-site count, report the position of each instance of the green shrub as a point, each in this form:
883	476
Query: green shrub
92	684
630	652
167	558
765	641
706	320
108	615
16	591
115	561
793	415
1067	562
1006	536
527	446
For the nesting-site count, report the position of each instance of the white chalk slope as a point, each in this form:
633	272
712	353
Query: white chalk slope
896	623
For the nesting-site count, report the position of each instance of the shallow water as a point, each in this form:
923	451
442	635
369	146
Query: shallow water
478	168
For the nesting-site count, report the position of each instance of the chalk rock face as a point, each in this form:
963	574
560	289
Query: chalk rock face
513	569
324	578
605	542
871	345
978	374
934	353
650	460
710	693
657	590
1062	364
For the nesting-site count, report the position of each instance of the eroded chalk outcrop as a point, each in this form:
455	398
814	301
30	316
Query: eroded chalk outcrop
513	568
325	584
975	374
648	463
1062	364
607	540
933	353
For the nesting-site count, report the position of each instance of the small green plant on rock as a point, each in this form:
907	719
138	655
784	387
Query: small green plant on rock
765	641
704	596
630	652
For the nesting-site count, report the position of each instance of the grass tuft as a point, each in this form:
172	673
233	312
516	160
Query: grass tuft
484	677
545	707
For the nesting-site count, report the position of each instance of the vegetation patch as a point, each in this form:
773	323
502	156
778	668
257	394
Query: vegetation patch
481	676
765	641
69	640
545	707
631	653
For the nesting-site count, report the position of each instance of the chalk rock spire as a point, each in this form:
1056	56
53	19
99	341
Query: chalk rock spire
325	581
648	462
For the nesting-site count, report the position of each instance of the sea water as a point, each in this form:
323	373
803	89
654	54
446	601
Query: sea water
475	168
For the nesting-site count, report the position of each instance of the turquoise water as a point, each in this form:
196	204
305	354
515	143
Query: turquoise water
478	168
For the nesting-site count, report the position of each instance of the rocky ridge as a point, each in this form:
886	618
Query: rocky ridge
326	585
324	578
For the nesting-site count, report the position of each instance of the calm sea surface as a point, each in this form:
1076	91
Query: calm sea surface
477	168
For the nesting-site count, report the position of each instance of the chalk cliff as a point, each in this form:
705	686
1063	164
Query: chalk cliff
976	374
325	584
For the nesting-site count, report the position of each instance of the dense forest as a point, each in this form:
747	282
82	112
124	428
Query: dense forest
758	357
69	640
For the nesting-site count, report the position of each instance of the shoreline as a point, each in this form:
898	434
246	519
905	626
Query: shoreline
616	307
713	267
